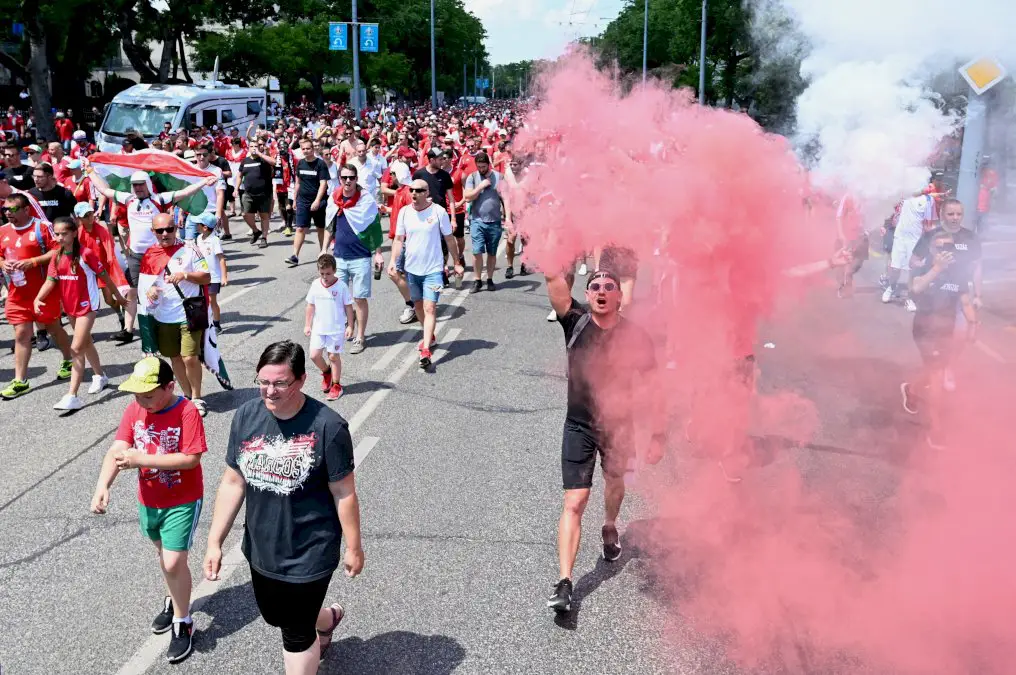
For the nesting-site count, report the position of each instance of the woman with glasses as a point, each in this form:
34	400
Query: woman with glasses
290	458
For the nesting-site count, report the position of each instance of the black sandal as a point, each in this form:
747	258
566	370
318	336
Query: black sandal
325	636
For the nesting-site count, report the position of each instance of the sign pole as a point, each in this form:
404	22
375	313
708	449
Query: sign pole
433	62
356	67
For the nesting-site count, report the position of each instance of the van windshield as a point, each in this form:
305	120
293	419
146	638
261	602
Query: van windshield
148	120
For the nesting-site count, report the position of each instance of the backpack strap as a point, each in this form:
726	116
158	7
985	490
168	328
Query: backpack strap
580	326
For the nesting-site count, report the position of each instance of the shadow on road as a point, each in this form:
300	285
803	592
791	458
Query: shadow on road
587	585
394	652
463	348
231	609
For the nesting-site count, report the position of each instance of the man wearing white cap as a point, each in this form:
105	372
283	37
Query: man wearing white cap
142	205
79	144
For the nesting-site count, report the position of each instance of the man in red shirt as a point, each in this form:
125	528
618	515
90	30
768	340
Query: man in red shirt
61	172
79	147
161	435
26	246
64	129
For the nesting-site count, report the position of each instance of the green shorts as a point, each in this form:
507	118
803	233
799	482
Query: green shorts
174	526
175	340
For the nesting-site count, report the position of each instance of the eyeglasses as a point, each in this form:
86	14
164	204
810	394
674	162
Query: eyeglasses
418	190
348	177
278	386
163	230
607	287
200	154
9	209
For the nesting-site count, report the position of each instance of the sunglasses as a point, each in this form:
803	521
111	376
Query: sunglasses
607	287
418	190
9	209
163	230
348	177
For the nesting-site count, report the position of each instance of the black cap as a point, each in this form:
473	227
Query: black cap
603	274
434	152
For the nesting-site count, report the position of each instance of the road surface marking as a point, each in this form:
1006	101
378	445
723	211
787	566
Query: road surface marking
363	449
238	294
990	352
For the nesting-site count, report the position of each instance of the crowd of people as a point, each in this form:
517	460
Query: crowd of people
70	242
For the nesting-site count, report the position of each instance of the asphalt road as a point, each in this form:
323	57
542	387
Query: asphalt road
459	480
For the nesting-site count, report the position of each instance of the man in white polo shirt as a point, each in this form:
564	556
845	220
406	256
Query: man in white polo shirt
418	234
142	205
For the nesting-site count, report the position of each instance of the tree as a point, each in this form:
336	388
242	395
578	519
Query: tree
739	73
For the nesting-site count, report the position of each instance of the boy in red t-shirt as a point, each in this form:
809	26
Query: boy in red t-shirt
162	436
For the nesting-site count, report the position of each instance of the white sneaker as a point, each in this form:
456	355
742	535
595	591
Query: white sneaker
949	380
69	402
911	307
552	316
887	295
583	270
99	382
408	315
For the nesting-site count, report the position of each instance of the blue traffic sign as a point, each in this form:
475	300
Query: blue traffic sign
482	83
368	37
337	37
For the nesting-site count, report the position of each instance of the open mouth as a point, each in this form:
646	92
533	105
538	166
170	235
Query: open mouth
601	301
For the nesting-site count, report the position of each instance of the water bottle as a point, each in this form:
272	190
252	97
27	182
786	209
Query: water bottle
17	276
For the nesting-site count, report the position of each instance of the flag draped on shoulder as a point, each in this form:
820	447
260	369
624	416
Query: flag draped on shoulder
153	265
167	171
362	215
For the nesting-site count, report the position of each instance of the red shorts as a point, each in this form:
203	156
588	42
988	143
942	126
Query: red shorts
20	310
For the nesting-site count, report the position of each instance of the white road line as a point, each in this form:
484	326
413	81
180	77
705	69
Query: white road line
394	350
240	293
363	449
442	347
990	352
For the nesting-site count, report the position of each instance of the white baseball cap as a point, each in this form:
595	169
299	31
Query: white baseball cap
79	135
139	177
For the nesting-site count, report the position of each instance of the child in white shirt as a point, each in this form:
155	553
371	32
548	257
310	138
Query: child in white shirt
211	250
329	324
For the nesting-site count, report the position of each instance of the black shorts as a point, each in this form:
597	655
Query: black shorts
935	337
579	447
133	271
293	607
306	218
230	190
621	261
460	226
887	239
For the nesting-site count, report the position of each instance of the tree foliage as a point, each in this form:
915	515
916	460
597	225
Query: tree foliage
293	45
741	70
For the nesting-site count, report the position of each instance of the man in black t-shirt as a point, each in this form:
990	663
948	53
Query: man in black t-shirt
608	359
940	285
56	200
227	176
438	180
311	193
18	175
257	169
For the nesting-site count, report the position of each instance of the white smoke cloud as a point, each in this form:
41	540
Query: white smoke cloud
868	110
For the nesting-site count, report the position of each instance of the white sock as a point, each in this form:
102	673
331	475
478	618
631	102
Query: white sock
186	619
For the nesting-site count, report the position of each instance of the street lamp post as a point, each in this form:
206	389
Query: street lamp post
702	59
433	65
645	40
356	65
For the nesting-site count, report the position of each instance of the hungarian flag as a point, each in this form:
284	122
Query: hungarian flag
362	215
167	172
153	265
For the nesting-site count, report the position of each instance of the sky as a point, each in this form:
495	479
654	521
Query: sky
518	30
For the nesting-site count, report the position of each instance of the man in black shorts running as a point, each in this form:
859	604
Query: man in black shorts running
606	356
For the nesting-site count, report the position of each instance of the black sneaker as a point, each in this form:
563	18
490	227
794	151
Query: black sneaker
560	599
490	285
292	261
164	620
181	642
123	337
477	286
909	404
226	237
523	270
43	342
254	236
611	543
218	326
509	273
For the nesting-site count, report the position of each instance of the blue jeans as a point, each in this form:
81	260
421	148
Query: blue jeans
426	287
356	274
485	236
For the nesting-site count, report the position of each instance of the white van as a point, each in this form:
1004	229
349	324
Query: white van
146	107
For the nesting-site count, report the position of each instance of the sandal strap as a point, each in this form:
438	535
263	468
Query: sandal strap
336	620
